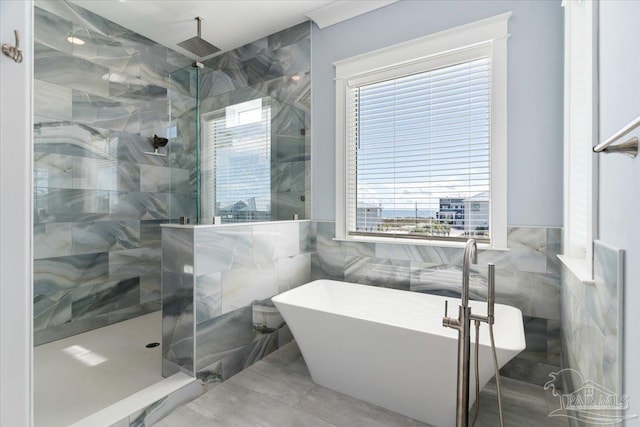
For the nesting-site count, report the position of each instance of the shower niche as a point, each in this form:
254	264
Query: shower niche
237	154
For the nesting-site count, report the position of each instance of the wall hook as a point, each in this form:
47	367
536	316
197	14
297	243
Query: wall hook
13	52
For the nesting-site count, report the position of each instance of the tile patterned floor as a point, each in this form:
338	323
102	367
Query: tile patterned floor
278	392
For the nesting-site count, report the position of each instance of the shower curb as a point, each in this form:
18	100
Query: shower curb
147	406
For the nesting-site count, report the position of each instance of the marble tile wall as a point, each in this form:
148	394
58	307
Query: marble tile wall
98	199
592	322
217	282
527	277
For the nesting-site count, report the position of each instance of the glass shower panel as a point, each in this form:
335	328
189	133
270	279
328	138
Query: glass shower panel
182	148
235	152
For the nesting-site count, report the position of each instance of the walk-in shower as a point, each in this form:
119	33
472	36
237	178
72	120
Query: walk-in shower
129	135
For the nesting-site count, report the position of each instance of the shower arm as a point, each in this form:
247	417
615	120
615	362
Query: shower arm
199	19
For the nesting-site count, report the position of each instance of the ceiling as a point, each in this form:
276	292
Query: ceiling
227	24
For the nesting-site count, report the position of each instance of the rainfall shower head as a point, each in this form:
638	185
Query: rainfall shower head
197	45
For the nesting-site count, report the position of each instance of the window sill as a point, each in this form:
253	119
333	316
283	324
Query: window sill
416	242
578	267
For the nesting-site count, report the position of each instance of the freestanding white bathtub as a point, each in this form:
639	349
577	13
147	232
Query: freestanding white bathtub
389	348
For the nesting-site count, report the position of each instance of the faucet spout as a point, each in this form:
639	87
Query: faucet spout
470	256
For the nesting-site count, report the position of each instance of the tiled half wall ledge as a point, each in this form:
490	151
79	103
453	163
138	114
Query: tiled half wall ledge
217	281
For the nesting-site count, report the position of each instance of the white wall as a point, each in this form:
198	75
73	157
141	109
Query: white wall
619	203
535	83
15	218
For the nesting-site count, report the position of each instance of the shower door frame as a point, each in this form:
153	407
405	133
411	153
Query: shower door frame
16	217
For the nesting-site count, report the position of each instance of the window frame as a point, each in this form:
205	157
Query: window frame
581	34
418	55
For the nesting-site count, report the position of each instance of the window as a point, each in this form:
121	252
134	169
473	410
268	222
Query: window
421	134
236	163
581	130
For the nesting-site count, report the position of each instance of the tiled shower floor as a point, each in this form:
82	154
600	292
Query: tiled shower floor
68	388
278	392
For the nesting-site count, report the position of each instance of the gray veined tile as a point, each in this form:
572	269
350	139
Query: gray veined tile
287	120
104	50
293	92
95	300
304	233
142	206
289	149
51	309
300	56
155	179
51	30
217	83
178	342
51	240
127	176
71	72
150	287
208	291
225	338
150	233
105	236
182	180
52	101
327	266
554	248
379	272
535	331
527	250
67	201
72	139
241	286
274	241
181	205
94	174
178	250
60	273
133	262
266	67
53	170
223	249
100	111
289	36
293	271
154	66
83	17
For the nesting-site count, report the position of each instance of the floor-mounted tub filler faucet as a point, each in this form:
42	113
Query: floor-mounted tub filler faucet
463	325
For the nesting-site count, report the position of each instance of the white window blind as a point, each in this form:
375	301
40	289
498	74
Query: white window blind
418	157
237	163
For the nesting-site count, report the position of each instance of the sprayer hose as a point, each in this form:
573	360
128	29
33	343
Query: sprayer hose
495	365
477	351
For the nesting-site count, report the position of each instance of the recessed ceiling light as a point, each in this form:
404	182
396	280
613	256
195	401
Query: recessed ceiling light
75	40
295	78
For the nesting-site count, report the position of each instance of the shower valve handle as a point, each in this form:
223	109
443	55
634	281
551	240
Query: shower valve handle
447	321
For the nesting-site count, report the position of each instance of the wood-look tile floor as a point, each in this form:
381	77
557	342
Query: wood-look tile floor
278	392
